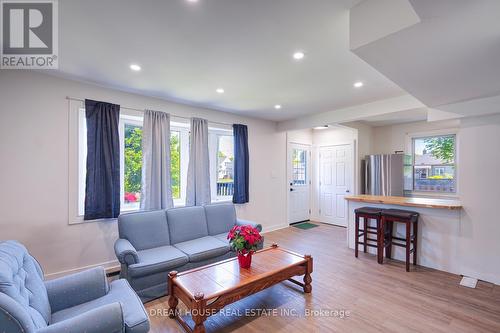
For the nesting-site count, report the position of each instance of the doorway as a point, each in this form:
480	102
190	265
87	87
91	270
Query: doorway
335	182
299	182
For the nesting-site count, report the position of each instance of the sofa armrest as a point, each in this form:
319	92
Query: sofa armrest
77	288
126	252
107	318
13	316
246	222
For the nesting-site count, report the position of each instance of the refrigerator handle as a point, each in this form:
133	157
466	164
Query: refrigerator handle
367	179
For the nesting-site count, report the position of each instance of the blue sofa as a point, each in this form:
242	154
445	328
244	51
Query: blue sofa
82	302
153	243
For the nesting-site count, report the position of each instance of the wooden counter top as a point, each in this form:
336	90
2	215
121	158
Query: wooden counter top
407	201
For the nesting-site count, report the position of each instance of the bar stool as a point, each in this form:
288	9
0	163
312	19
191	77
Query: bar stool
368	213
409	218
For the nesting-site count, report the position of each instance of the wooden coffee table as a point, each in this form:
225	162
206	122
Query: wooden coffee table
206	290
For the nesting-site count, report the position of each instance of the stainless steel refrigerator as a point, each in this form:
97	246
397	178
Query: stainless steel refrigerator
383	175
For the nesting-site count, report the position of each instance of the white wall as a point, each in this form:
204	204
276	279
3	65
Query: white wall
304	137
334	136
479	185
471	247
34	168
388	139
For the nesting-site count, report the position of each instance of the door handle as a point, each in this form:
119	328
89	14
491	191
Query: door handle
291	190
347	191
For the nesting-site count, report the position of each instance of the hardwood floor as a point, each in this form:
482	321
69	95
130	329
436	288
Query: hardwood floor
352	295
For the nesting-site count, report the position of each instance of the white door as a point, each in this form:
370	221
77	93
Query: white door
299	185
335	181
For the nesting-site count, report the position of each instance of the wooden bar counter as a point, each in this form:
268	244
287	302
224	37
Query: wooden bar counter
407	201
439	232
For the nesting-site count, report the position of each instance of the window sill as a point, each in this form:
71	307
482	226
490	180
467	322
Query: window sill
178	205
222	201
79	219
433	195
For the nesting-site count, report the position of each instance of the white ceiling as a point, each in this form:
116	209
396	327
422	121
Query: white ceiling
399	117
450	54
187	50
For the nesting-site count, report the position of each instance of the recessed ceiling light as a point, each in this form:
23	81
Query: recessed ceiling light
277	106
192	0
299	55
358	84
321	127
219	90
135	67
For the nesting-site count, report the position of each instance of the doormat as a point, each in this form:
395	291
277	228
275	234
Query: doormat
305	225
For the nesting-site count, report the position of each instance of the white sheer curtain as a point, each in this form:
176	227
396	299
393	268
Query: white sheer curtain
198	177
156	181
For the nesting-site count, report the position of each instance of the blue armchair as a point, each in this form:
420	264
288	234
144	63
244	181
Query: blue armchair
82	302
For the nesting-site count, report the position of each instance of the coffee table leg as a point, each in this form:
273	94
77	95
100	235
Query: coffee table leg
172	304
172	299
199	316
199	327
307	276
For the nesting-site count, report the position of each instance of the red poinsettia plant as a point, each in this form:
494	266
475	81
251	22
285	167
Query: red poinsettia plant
244	239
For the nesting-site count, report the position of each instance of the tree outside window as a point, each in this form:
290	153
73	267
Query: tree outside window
434	164
133	163
175	164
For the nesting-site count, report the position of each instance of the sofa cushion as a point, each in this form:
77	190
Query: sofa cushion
21	279
203	248
222	237
186	223
220	218
134	314
144	230
158	259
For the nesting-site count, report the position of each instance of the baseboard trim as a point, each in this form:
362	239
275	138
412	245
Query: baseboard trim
265	230
299	222
109	266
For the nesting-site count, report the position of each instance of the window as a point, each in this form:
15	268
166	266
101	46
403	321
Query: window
132	158
225	166
132	163
175	163
221	148
433	164
299	166
130	132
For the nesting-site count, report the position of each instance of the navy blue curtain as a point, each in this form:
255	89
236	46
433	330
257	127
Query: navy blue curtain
241	174
102	185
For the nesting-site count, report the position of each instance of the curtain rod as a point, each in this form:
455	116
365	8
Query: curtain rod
139	110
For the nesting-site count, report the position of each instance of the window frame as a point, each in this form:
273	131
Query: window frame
125	120
180	162
410	150
306	168
213	150
183	130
